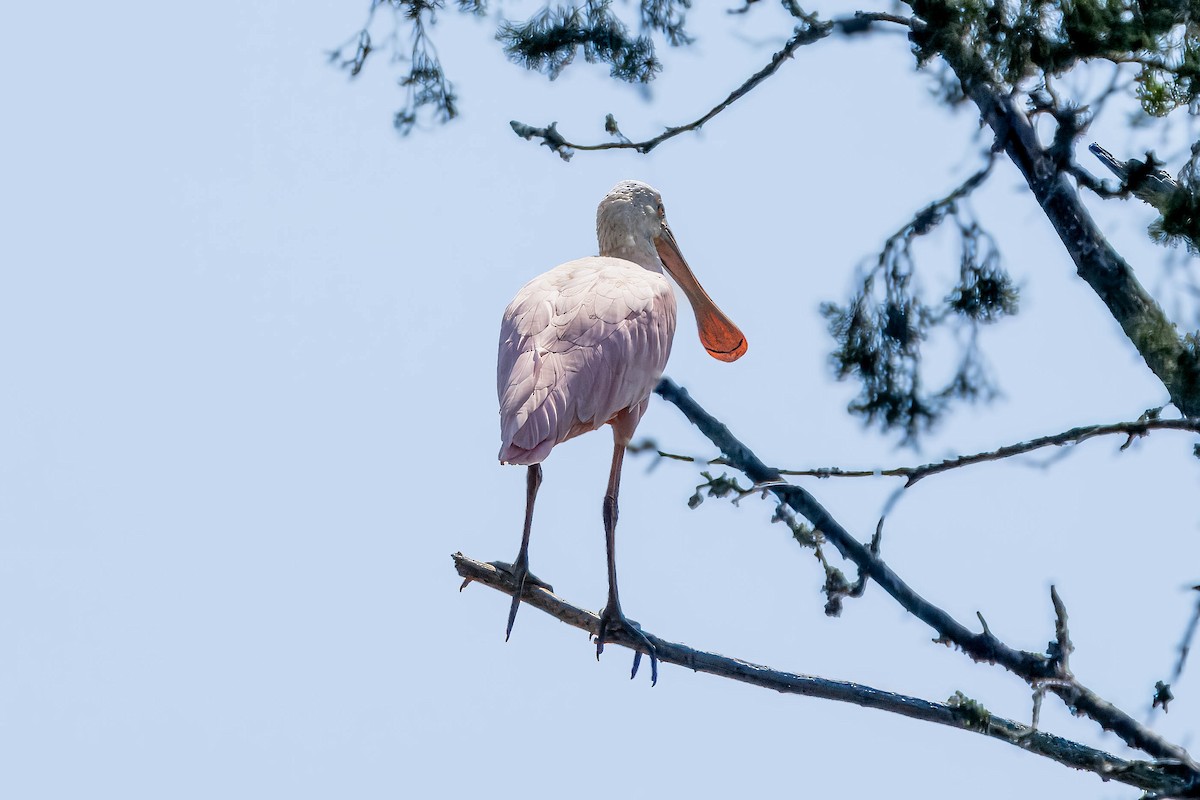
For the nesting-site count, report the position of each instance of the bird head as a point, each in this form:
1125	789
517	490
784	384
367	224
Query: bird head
631	223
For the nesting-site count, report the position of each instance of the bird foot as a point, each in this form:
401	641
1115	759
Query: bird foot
524	578
611	618
530	578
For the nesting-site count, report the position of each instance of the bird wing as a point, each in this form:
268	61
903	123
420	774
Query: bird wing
578	345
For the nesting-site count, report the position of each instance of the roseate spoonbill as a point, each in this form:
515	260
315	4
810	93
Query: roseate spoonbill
583	345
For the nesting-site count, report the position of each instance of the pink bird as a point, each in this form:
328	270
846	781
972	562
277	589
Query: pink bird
583	346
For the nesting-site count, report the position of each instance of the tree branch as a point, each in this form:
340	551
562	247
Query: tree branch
812	30
1169	356
427	88
1185	644
1132	430
929	216
1038	670
962	713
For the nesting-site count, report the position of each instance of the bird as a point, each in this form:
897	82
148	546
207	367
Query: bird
583	346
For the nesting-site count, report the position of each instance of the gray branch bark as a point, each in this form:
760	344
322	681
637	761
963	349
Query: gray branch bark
1132	430
965	715
810	30
1040	671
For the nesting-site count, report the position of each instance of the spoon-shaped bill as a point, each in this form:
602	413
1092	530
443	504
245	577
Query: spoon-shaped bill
721	338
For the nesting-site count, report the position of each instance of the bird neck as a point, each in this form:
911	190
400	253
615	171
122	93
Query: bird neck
630	247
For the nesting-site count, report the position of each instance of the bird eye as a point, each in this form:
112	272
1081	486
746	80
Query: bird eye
661	211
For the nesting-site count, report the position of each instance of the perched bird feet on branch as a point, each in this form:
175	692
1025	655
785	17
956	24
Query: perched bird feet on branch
612	617
524	579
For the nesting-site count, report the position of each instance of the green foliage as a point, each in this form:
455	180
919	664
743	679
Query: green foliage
720	486
971	711
667	17
1018	40
1189	360
1179	208
550	40
1154	93
427	90
878	345
1163	86
985	292
880	329
1177	201
802	532
836	588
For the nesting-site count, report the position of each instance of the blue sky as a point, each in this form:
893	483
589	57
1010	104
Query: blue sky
248	336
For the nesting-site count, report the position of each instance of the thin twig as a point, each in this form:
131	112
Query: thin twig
933	213
1131	429
1147	776
1185	644
1031	667
813	30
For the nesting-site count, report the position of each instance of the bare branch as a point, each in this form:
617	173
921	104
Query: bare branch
1034	668
947	628
1062	637
1143	179
1131	429
963	714
810	31
1093	184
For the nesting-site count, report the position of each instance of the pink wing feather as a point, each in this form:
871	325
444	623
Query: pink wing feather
578	345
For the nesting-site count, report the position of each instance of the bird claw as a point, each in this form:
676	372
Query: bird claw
524	578
530	578
613	618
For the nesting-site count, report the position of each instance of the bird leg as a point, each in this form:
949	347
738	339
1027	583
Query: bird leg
612	616
519	569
